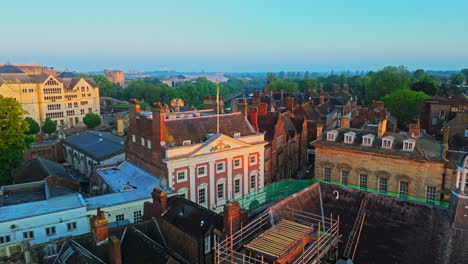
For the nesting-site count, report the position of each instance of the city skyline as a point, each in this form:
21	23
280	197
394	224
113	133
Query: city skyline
236	36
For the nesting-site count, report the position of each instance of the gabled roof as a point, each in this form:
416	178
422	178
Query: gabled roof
267	123
98	145
38	169
7	68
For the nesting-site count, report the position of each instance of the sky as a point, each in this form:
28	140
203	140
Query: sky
235	35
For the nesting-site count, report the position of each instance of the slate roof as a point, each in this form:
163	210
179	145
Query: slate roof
7	68
98	145
424	150
446	100
394	230
66	74
38	169
267	123
190	217
196	129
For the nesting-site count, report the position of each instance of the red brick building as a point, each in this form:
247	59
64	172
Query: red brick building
187	152
438	110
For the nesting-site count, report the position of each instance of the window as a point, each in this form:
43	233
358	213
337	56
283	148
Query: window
349	137
408	146
403	189
82	111
71	226
181	175
50	250
442	115
367	140
237	163
202	196
327	174
454	109
90	110
119	217
466	132
186	142
143	142
53	107
236	135
5	239
83	102
434	121
431	193
207	244
253	160
253	181
28	234
363	181
183	192
383	184
50	231
54	115
148	143
237	186
220	190
344	177
70	112
75	104
70	105
332	135
137	217
220	166
133	138
201	171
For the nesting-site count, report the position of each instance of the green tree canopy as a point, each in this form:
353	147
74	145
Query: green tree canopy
34	127
425	86
307	85
458	78
404	104
92	120
49	126
271	77
387	81
286	86
13	140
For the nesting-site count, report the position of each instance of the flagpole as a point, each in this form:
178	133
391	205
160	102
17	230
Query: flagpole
217	108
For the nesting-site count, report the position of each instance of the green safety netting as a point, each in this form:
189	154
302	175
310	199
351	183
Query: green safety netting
279	190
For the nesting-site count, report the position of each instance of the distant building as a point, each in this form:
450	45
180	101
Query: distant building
435	112
175	81
64	98
86	150
388	162
116	77
34	69
50	149
372	115
458	132
185	150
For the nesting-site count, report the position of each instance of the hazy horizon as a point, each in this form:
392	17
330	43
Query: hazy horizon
235	36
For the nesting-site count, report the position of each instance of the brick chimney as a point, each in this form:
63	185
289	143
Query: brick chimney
262	109
345	122
159	127
322	100
245	108
319	131
265	90
159	201
378	104
414	130
256	98
115	252
254	118
100	228
382	128
133	111
445	138
290	104
233	217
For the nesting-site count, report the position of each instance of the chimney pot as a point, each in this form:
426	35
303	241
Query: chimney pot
289	104
382	128
322	100
345	122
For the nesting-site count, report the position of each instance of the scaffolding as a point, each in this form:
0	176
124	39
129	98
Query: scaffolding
289	236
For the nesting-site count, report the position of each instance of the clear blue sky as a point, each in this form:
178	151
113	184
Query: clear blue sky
235	35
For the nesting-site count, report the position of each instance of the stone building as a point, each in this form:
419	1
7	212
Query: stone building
372	115
116	77
64	98
389	162
190	155
435	112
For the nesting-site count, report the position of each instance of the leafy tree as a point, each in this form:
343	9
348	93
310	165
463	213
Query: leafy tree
271	77
404	104
13	139
386	81
286	86
92	120
49	126
458	78
34	127
465	72
307	85
424	86
419	73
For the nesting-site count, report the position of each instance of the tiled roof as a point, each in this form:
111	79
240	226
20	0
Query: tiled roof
267	123
195	129
38	169
425	149
99	145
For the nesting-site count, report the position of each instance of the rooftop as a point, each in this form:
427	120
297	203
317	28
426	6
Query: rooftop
38	169
98	145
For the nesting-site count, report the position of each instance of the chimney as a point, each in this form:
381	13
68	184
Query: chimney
322	100
99	226
256	98
319	131
263	109
115	253
345	122
290	104
382	128
159	201
445	138
265	90
346	88
254	118
378	104
414	130
159	126
245	108
133	111
232	217
282	94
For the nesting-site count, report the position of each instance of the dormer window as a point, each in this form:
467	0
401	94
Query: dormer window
332	135
387	142
186	142
236	135
408	144
349	137
367	140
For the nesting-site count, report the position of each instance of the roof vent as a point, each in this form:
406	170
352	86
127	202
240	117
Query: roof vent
100	139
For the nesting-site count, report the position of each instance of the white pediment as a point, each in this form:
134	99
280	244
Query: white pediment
219	143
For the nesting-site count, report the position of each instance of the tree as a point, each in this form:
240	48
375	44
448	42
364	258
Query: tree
92	120
13	139
458	78
34	127
424	86
49	126
271	77
386	81
286	86
307	85
404	104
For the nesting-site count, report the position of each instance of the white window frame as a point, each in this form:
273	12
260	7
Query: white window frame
28	235
183	192
134	138
143	142
148	143
429	193
205	188
238	193
50	250
254	159
240	163
253	175
236	135
363	178
345	177
327	176
223	196
137	216
400	191
186	142
205	169
207	244
224	166
184	171
380	182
